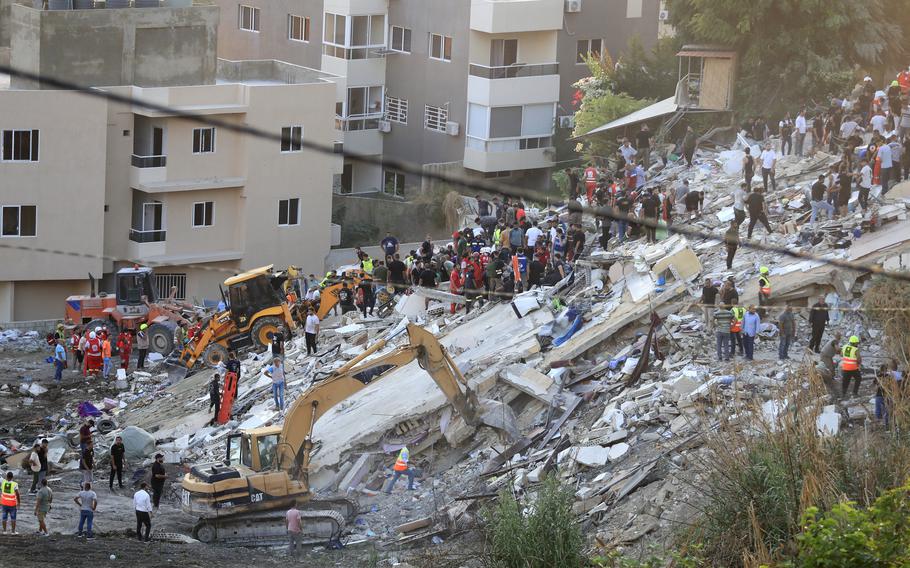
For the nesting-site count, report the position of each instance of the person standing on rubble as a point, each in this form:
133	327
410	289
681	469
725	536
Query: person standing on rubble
722	323
787	327
649	208
9	501
751	325
818	319
106	356
142	344
689	144
402	467
708	300
346	299
59	361
125	346
731	239
850	365
785	128
739	202
85	433
736	328
819	192
142	504
88	504
215	396
729	295
43	501
275	371
310	331
768	166
87	462
294	523
118	450
757	211
764	287
159	476
801	128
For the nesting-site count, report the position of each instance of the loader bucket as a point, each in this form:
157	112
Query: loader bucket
175	371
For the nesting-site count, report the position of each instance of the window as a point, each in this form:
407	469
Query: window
534	143
19	221
203	214
440	47
165	282
401	39
20	145
354	37
288	212
503	52
203	140
292	139
393	183
588	48
362	108
633	8
505	122
298	28
396	110
249	18
435	118
503	174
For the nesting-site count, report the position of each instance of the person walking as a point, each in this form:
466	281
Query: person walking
87	462
740	195
293	519
275	371
723	321
731	240
748	168
818	319
9	501
118	450
125	346
850	365
142	345
215	396
34	465
88	504
159	476
768	166
310	331
786	326
402	467
751	323
708	299
142	503
43	501
786	135
59	361
757	211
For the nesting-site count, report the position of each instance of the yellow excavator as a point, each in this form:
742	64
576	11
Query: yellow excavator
242	501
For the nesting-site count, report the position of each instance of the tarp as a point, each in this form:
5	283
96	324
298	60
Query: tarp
664	107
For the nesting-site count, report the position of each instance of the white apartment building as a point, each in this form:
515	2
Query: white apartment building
111	185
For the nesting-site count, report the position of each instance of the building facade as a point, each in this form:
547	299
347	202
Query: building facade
478	86
111	184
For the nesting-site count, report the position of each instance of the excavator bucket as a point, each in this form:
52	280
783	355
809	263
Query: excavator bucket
499	416
176	372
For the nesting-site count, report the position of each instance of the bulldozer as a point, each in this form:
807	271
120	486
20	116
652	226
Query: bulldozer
243	499
257	308
135	302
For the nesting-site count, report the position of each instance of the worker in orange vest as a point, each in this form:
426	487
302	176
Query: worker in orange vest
736	326
9	500
400	468
764	287
850	366
106	356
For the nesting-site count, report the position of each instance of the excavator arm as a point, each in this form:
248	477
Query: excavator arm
295	451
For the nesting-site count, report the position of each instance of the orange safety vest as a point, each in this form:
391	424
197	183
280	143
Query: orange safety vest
849	362
764	285
8	494
736	325
401	464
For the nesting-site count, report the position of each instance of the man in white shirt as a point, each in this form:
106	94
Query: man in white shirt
865	184
768	166
739	202
532	235
801	128
627	151
878	122
849	127
142	502
884	154
310	330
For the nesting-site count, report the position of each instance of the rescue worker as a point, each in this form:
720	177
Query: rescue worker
736	327
125	346
402	467
9	500
850	363
93	358
367	264
764	289
215	396
142	344
106	351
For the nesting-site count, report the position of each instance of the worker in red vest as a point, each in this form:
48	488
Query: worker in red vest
591	175
94	360
125	346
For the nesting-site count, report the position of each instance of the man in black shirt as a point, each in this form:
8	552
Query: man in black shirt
427	277
643	144
708	298
819	199
649	207
346	299
117	452
369	299
535	272
756	205
397	268
159	476
624	206
818	319
695	201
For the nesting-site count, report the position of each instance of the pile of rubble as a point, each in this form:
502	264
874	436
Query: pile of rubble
612	379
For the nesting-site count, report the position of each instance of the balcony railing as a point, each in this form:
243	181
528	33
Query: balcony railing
357	52
149	161
512	71
148	236
358	122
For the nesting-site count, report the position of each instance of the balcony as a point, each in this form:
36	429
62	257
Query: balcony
148	236
507	154
149	161
146	244
147	170
513	84
511	16
361	133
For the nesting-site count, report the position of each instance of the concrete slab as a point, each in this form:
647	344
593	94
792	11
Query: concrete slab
529	381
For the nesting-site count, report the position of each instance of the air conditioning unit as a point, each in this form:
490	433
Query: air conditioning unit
573	6
567	121
452	128
385	126
663	15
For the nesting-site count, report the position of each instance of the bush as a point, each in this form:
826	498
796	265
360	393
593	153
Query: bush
543	534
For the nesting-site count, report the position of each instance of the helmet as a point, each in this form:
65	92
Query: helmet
854	339
143	326
763	270
91	335
98	328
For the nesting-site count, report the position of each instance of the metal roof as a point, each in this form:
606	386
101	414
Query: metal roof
249	274
661	108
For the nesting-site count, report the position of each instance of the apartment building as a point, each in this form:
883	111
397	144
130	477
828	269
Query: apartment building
476	86
114	184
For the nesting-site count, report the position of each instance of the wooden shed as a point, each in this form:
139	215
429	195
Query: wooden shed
706	76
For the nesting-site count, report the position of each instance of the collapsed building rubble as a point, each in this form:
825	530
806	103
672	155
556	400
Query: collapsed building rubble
611	387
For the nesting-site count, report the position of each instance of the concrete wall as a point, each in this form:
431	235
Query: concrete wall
365	220
144	47
37	300
272	42
4	30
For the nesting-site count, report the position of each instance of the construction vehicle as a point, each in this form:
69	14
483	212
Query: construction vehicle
257	308
243	499
328	295
135	302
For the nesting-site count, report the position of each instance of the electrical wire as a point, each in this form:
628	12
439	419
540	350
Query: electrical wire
457	180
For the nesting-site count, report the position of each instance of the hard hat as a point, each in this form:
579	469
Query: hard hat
895	83
143	326
854	339
763	270
867	78
91	335
98	328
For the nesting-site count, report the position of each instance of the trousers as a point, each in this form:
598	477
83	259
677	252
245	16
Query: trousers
310	343
143	519
397	475
86	518
749	345
846	377
724	350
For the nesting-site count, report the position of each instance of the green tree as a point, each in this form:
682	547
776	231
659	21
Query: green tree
794	51
645	74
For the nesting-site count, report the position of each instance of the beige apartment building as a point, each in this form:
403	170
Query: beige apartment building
112	184
476	86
